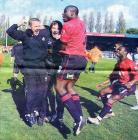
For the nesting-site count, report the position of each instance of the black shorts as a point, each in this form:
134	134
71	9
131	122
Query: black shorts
71	67
122	90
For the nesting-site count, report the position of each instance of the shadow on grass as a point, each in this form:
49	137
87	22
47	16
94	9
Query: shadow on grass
125	103
63	129
18	95
91	107
91	91
95	93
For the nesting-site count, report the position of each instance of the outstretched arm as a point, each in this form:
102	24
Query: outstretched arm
16	34
103	84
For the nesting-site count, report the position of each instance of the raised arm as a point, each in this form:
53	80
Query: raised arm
16	34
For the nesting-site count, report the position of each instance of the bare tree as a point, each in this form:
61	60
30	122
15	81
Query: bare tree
98	26
121	24
85	20
45	20
106	23
91	22
2	19
111	24
50	20
2	26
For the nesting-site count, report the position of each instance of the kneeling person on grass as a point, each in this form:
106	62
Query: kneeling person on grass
122	79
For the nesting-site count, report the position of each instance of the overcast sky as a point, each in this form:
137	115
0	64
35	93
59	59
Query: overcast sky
15	9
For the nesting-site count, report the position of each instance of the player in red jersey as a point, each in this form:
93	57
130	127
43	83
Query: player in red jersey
122	83
74	61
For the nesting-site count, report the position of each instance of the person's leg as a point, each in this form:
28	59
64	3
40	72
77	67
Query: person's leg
136	95
119	91
72	67
15	71
71	107
107	107
60	107
103	94
75	96
31	97
14	77
51	96
91	67
44	103
67	99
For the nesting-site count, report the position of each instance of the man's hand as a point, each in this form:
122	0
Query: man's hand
104	84
22	22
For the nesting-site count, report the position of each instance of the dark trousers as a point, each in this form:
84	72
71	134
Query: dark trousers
49	100
53	104
36	86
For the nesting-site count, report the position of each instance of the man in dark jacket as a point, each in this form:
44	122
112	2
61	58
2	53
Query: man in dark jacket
17	59
35	42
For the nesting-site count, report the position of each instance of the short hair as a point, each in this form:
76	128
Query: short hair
33	19
119	43
73	8
58	23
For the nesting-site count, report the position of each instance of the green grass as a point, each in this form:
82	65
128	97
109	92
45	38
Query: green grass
124	126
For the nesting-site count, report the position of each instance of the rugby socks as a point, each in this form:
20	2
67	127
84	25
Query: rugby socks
76	99
104	99
71	107
105	110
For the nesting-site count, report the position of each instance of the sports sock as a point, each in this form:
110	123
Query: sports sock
69	104
105	109
76	99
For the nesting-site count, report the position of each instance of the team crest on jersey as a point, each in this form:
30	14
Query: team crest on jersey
70	76
43	39
49	42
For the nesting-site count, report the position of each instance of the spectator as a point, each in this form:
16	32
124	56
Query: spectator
35	43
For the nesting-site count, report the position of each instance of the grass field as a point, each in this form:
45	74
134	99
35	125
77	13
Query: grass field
124	126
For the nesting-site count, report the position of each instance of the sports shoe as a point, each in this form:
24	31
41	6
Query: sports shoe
31	119
94	120
109	115
53	118
135	107
78	127
60	123
36	113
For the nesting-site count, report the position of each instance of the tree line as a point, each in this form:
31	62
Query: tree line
94	23
107	23
5	24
